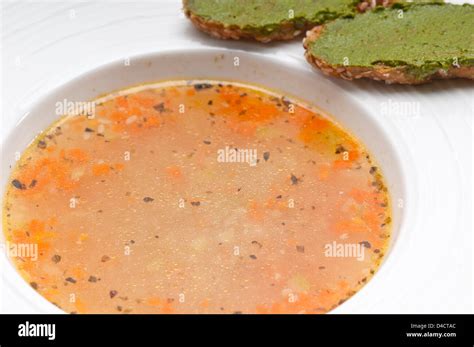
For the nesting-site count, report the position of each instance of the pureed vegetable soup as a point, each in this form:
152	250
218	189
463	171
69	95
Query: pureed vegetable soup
197	197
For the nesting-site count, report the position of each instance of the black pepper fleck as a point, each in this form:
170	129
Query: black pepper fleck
340	149
160	107
42	144
18	185
113	293
294	180
300	248
201	86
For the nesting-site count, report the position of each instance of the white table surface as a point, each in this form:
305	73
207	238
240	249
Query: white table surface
44	43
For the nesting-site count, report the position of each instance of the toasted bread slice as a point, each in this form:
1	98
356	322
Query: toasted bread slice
269	20
405	44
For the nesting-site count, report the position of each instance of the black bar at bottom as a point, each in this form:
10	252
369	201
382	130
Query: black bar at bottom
318	330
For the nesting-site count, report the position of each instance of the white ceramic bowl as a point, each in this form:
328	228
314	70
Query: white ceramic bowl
220	64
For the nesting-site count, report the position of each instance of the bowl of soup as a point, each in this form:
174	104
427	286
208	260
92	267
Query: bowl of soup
199	181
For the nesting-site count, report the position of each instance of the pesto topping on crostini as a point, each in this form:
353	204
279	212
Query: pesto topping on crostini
266	16
422	38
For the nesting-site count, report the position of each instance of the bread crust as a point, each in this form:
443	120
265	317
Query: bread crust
286	30
388	74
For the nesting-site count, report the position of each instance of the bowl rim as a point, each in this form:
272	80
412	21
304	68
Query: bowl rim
407	187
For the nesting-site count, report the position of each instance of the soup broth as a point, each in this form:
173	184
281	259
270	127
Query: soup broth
197	197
